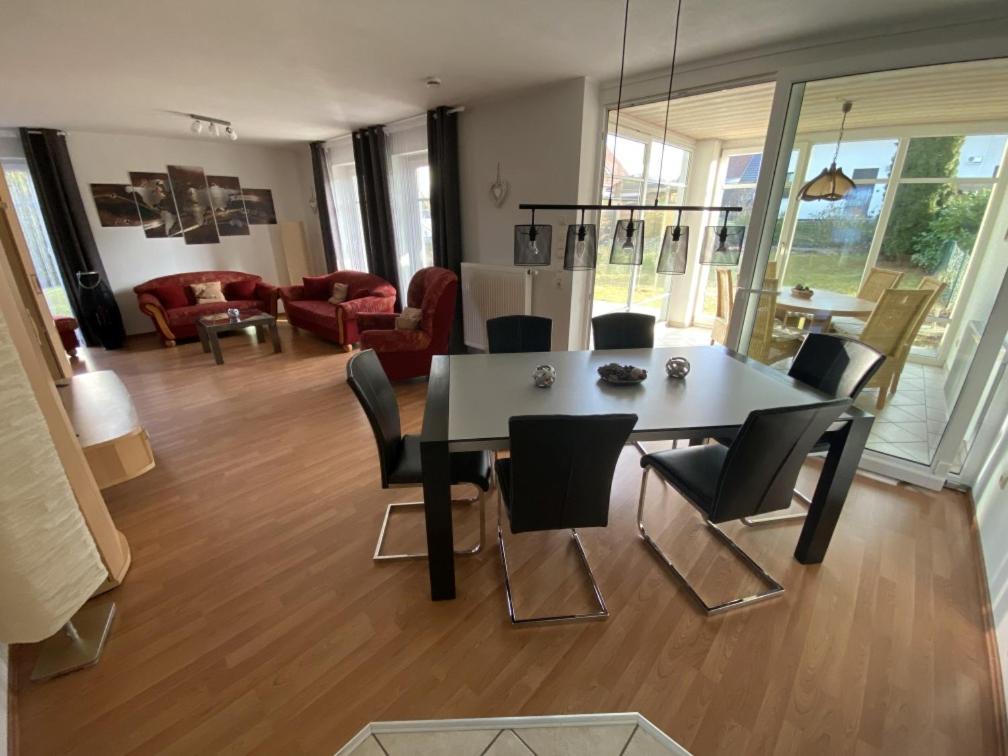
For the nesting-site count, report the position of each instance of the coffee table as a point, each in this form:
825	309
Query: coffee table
209	326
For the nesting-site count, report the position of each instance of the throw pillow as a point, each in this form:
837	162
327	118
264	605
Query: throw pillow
244	289
339	293
409	319
208	291
171	296
317	287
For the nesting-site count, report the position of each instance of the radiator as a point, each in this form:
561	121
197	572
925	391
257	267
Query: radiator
489	291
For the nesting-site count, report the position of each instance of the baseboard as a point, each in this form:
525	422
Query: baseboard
990	633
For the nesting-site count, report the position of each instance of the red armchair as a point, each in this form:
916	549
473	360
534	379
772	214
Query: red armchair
308	305
407	354
168	300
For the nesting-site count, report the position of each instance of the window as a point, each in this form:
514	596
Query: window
350	251
411	218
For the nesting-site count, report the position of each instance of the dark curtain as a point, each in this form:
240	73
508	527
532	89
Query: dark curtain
375	204
70	234
324	202
446	212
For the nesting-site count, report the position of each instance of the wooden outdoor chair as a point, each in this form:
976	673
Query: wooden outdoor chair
771	341
725	302
877	281
936	286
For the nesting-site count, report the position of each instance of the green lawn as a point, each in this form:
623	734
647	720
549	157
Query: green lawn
59	305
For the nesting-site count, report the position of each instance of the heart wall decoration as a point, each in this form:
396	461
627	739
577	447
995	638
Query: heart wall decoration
499	189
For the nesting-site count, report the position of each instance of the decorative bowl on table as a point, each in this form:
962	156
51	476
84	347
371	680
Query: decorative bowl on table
677	367
622	375
544	376
802	291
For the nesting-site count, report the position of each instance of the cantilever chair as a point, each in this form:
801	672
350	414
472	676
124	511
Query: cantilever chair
623	330
756	474
838	366
399	455
519	333
559	476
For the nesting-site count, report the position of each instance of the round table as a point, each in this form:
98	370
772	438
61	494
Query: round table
825	304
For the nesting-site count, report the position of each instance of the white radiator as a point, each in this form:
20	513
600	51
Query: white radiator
489	291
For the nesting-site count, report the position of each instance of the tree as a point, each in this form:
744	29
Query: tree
957	220
916	204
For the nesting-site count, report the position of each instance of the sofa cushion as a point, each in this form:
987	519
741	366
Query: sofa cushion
244	289
207	291
317	287
313	311
409	319
339	293
171	296
189	314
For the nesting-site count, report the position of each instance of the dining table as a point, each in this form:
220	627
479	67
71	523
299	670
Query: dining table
470	398
823	306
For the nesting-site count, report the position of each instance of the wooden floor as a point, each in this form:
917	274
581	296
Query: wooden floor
254	621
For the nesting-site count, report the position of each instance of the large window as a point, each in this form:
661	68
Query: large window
411	218
350	252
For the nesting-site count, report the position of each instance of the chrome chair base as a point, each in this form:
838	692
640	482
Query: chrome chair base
776	589
758	520
480	497
602	612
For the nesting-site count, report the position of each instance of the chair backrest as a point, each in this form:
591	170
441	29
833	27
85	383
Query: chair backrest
623	330
519	333
433	291
877	281
725	292
895	319
371	386
762	331
763	462
836	365
562	469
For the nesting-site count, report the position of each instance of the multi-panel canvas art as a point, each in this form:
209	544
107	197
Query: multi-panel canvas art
115	204
192	198
156	204
228	205
259	205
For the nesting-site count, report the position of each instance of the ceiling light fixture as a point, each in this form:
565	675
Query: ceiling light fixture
215	126
628	239
675	243
832	184
197	126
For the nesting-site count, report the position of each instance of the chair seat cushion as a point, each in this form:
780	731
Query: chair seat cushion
693	471
785	333
466	467
847	326
184	315
319	312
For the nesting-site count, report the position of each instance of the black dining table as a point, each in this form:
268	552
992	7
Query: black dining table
471	397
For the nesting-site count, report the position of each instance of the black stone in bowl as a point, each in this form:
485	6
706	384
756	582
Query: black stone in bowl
622	375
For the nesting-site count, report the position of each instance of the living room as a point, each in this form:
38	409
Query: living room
267	268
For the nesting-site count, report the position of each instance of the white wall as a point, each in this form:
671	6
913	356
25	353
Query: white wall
536	137
130	258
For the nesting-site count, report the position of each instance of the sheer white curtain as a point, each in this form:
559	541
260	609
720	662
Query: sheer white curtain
409	177
348	232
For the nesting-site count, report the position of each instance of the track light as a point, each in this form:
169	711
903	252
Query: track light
214	129
197	126
231	133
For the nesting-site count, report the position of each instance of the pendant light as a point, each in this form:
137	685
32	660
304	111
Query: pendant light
832	184
532	243
628	242
581	249
675	242
723	244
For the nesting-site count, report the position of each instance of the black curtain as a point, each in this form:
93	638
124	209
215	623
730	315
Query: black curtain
324	202
70	234
446	212
376	206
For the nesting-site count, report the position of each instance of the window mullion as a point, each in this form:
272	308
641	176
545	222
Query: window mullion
790	222
892	185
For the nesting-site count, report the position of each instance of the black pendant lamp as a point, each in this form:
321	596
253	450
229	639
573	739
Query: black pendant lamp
628	242
723	244
581	249
532	243
675	242
832	184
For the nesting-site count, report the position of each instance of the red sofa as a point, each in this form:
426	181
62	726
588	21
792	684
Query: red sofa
169	301
308	305
407	354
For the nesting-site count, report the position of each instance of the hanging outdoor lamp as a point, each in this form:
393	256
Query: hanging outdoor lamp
832	184
581	248
532	243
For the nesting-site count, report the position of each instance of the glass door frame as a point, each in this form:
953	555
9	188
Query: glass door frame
780	141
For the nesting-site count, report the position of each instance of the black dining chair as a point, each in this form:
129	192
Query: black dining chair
836	365
756	474
559	476
399	455
519	333
623	330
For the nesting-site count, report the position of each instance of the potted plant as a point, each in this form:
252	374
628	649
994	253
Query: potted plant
802	291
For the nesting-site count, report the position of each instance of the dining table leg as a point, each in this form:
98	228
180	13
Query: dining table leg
435	459
841	464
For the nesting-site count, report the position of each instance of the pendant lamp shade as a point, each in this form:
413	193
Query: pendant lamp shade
832	184
581	249
532	244
722	245
628	243
674	247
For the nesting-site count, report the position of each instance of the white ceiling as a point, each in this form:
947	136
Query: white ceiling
311	69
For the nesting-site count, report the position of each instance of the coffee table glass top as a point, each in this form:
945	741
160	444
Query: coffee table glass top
245	317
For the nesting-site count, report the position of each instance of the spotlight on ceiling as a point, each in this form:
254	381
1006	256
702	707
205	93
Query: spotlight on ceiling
197	126
231	133
214	129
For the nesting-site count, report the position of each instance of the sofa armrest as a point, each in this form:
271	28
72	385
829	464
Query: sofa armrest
291	293
395	341
151	307
376	321
267	293
365	305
